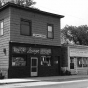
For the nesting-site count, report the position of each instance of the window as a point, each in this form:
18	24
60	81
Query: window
1	27
18	61
50	31
82	61
25	27
79	60
46	60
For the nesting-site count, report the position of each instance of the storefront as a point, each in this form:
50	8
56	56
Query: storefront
77	59
28	60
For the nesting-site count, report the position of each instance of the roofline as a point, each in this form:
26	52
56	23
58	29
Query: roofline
9	4
76	46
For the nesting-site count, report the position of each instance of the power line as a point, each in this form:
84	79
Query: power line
62	12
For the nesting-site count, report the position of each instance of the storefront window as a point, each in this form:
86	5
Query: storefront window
18	61
82	61
79	60
46	60
85	62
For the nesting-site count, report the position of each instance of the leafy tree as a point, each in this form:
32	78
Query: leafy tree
77	35
27	3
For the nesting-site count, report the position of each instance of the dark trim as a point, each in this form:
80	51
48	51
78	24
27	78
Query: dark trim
9	4
34	45
30	22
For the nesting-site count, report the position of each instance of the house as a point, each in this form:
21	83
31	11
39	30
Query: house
29	42
75	59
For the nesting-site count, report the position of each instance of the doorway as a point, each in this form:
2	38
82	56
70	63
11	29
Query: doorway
34	66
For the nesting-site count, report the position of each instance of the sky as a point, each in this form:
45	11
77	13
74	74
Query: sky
75	11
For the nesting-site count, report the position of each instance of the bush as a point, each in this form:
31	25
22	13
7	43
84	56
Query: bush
65	72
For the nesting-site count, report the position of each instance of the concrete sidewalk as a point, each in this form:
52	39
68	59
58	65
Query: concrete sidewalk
60	78
17	80
50	78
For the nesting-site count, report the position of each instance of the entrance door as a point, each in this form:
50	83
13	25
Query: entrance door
34	66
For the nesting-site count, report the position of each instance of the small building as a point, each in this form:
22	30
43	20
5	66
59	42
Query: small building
75	59
29	42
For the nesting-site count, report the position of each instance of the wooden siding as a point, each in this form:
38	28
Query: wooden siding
39	26
4	42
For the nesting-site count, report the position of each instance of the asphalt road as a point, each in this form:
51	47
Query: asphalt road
45	84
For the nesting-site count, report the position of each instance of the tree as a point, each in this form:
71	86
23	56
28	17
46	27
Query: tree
77	35
27	3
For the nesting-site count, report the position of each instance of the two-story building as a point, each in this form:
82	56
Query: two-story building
29	42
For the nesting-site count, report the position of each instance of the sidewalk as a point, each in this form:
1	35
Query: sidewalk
36	79
17	80
61	78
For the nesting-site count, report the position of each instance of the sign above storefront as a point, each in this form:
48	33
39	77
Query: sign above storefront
45	51
39	35
31	50
79	52
19	49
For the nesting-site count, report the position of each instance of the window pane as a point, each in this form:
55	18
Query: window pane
2	24
84	62
1	28
50	35
79	61
25	27
25	30
2	31
34	62
34	69
24	22
50	28
46	60
50	31
18	61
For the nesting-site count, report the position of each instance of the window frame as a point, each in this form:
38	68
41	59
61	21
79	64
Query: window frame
51	32
30	27
1	29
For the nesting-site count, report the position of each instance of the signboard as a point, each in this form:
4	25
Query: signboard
33	50
19	49
45	51
39	35
79	52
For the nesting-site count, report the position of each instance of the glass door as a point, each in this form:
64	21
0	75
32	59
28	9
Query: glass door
34	66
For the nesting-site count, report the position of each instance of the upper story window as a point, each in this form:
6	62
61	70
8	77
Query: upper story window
25	27
1	27
50	32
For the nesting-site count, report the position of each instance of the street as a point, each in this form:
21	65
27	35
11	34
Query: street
45	84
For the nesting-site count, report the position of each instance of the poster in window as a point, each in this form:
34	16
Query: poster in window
18	61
